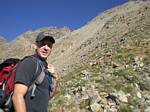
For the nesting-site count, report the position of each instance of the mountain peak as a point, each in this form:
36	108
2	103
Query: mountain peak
104	65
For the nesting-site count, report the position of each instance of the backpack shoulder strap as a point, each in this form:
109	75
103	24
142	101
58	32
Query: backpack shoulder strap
39	76
38	65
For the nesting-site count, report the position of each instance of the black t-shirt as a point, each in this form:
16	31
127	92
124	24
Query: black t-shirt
26	74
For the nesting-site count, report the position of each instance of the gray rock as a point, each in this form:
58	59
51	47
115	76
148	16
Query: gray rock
147	109
95	107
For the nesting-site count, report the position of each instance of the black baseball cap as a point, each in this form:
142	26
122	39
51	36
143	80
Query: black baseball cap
43	35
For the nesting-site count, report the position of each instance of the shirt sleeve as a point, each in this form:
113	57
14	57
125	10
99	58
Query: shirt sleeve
25	71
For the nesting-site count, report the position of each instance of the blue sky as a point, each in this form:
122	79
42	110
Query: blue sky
19	16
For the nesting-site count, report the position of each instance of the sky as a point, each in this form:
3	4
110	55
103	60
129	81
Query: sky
19	16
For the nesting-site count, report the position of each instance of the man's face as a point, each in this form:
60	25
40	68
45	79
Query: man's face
44	48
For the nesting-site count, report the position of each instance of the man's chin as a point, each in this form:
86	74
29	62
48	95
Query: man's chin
44	56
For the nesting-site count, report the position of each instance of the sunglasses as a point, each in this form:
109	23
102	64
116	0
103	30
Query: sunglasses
49	44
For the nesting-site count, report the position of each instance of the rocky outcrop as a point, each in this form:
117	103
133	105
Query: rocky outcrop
104	66
2	40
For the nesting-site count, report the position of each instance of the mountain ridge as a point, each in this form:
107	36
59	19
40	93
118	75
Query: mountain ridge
103	66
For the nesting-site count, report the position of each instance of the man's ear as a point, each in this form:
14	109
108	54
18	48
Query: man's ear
34	45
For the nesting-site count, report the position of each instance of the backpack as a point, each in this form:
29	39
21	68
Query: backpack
7	79
7	75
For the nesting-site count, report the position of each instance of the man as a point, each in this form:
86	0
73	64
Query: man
26	74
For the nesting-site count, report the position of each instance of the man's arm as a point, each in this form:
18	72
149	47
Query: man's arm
55	83
54	74
18	97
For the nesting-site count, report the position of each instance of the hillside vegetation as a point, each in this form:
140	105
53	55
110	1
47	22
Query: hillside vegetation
104	66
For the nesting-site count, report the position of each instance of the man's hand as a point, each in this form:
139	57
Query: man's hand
53	72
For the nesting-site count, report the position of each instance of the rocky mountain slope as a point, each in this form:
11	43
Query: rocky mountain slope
104	66
2	40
